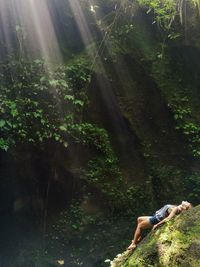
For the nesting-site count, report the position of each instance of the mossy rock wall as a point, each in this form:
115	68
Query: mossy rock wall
177	243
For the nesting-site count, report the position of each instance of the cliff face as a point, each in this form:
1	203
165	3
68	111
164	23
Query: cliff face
177	243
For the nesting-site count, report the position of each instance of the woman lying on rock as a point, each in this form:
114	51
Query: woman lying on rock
164	214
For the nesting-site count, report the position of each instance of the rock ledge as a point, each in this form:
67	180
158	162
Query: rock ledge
177	243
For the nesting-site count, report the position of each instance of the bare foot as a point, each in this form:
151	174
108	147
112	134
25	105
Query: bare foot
132	246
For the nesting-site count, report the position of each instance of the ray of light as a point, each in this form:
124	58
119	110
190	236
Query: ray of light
35	32
4	29
126	140
44	30
116	121
82	26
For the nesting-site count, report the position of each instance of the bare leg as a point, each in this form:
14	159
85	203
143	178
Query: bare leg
139	220
142	218
143	223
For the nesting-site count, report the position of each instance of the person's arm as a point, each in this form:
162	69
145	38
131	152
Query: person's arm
171	215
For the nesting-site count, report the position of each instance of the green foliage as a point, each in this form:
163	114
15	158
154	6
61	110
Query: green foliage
171	179
35	101
76	236
192	185
142	197
183	114
39	104
78	74
90	134
68	223
102	171
181	100
164	11
4	144
192	130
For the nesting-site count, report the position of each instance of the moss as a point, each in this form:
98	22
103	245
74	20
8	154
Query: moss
174	244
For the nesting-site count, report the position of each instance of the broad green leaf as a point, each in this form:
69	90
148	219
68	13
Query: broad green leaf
42	79
53	82
69	97
79	102
2	123
63	128
63	83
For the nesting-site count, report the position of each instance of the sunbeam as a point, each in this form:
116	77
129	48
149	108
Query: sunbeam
34	29
82	26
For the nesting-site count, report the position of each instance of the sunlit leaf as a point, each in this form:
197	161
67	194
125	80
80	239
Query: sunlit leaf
2	123
69	97
61	262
